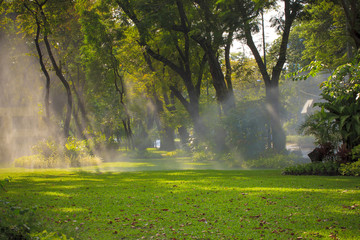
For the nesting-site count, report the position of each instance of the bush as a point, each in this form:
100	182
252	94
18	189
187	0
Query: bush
204	156
89	161
247	127
48	148
17	222
39	161
276	161
316	168
20	223
350	169
337	121
50	154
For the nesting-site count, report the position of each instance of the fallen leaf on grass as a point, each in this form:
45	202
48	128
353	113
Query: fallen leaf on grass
351	207
202	220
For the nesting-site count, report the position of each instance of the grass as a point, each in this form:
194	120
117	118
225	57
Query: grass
191	204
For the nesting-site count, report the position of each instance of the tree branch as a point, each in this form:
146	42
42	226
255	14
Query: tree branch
201	71
181	98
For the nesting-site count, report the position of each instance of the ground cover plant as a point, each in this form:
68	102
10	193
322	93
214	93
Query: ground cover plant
191	204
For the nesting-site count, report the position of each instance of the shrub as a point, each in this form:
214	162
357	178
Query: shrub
89	161
275	161
203	156
23	223
337	121
50	154
356	153
315	168
17	222
39	161
350	169
47	148
247	127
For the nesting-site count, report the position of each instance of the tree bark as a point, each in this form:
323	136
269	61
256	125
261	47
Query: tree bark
57	70
273	107
46	73
66	86
126	121
42	65
351	9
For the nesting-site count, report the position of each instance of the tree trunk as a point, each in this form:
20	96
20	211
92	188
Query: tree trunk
291	9
65	84
58	73
44	70
167	139
42	64
273	106
224	95
351	9
184	136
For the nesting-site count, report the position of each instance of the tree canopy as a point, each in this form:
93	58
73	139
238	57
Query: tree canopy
125	73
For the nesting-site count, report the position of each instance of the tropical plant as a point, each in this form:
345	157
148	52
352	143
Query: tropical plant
338	121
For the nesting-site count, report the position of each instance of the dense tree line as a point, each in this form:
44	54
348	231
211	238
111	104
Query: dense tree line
136	71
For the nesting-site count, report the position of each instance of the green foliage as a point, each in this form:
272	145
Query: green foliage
203	156
350	169
356	153
45	235
51	154
317	125
75	150
274	161
48	148
324	34
21	223
246	128
3	183
317	168
338	120
39	161
310	70
17	222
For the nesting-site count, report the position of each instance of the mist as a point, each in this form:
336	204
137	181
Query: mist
20	99
22	114
123	103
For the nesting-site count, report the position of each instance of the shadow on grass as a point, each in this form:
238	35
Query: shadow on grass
194	203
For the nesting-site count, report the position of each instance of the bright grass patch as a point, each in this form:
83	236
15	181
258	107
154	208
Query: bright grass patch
199	204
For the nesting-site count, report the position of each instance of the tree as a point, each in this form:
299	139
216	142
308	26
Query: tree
101	45
41	62
351	10
271	77
163	30
324	33
45	15
212	34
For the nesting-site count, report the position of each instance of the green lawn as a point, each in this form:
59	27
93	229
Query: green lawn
191	204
